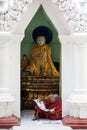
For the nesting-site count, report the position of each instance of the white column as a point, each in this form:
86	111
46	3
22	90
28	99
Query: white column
74	75
67	71
10	74
3	66
15	75
78	98
6	99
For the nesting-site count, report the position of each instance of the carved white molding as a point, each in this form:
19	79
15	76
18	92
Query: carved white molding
13	14
3	6
76	19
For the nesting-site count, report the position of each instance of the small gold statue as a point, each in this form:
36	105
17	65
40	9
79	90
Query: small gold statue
24	62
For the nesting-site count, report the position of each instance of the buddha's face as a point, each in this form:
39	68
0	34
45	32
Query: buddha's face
41	40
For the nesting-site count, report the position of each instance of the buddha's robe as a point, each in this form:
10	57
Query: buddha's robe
41	61
49	115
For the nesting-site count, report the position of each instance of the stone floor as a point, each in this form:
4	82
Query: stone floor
27	123
42	124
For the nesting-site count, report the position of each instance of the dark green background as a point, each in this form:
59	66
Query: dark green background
41	19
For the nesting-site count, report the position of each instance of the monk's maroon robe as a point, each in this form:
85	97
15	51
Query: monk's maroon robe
49	115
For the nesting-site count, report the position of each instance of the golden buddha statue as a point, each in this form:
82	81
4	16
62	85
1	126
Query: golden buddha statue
40	61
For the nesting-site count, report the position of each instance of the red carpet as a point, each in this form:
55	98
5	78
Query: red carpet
75	123
8	122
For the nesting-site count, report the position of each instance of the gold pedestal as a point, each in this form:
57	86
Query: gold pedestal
37	86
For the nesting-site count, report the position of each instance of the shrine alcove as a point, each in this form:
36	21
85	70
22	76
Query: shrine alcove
34	86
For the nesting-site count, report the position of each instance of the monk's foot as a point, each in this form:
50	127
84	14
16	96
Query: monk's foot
35	118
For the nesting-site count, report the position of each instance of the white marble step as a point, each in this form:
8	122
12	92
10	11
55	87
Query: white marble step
42	124
42	127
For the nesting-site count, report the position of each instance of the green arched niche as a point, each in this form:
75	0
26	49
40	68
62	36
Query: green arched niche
41	19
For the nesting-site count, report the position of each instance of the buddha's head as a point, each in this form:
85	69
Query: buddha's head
42	34
40	40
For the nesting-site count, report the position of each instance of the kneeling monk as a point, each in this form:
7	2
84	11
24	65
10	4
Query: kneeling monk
54	109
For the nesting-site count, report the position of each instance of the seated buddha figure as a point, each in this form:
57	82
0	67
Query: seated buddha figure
40	61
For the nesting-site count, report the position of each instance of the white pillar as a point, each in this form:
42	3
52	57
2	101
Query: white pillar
6	99
78	98
10	74
15	75
74	75
67	71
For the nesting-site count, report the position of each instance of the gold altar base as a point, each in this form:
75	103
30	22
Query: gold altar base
37	86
